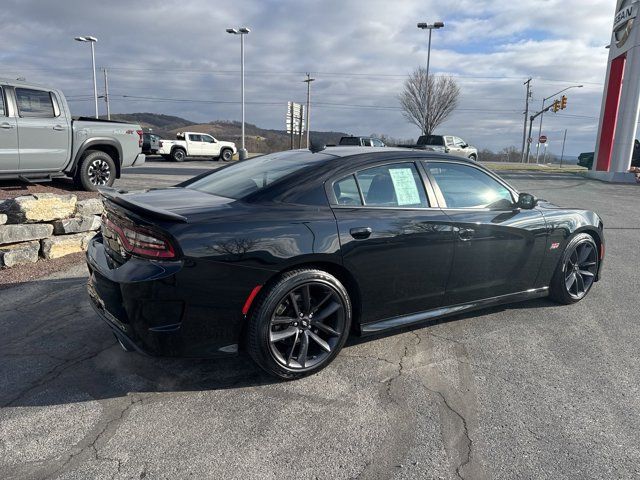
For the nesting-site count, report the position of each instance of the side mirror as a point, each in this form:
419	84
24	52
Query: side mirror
464	145
526	201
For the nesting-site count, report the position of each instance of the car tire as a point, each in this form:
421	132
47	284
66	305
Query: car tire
95	169
226	154
473	157
178	155
284	338
576	270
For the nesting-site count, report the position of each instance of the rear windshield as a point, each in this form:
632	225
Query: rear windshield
350	141
431	140
249	176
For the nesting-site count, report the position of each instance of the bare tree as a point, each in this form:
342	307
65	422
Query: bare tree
444	93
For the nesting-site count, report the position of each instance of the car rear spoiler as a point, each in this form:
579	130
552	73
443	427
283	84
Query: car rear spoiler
117	197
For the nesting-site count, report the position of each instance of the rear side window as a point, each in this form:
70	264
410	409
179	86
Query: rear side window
396	185
195	138
34	103
468	187
346	191
3	112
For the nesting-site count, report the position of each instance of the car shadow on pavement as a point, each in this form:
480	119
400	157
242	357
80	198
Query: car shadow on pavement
55	350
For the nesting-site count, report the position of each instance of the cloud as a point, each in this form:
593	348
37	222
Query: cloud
359	52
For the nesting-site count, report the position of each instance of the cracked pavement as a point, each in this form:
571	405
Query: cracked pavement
532	390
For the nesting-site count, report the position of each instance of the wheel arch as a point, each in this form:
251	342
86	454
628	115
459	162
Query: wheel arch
337	270
106	145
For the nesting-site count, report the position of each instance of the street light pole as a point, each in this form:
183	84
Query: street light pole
542	109
242	31
430	27
92	41
308	114
106	93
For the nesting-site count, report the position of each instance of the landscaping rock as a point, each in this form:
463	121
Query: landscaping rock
59	246
23	233
39	207
3	219
19	253
82	223
90	206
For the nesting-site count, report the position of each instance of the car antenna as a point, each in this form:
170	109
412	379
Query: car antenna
317	147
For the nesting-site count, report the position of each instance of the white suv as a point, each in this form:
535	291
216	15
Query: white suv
196	144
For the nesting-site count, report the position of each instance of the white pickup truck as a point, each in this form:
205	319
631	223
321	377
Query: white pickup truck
194	144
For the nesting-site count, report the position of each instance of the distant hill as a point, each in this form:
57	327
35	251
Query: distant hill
257	139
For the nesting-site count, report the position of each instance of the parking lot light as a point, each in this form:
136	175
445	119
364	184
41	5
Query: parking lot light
430	27
92	40
242	31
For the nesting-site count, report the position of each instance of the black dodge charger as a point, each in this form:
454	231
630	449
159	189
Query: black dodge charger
287	254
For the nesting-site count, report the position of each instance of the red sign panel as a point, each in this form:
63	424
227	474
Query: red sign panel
543	139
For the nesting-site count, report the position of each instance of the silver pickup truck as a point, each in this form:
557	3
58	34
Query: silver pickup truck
39	140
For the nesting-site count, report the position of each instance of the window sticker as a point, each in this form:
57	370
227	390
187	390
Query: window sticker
405	186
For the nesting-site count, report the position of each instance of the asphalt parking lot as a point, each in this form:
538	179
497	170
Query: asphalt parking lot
533	390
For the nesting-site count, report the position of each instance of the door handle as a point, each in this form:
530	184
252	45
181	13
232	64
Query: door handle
58	127
361	233
466	234
6	126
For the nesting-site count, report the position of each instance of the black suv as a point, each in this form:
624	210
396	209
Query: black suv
361	142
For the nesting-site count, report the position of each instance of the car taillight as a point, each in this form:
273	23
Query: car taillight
140	133
160	144
141	241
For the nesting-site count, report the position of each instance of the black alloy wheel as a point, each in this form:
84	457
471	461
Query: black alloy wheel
580	270
576	271
300	324
99	172
96	169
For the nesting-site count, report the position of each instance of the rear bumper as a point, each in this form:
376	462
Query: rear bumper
148	307
140	159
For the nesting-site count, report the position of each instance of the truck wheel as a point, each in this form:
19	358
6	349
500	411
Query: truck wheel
473	157
226	154
96	169
178	155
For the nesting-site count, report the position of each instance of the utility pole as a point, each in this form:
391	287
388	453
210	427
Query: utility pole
308	82
564	139
526	116
106	93
300	118
292	122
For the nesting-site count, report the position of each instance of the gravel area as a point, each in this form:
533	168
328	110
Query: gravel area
10	277
12	189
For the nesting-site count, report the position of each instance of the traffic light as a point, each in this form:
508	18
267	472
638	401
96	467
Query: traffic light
556	106
563	102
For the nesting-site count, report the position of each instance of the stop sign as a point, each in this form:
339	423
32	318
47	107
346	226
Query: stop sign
543	139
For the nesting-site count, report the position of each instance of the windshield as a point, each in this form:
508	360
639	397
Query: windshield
431	140
244	178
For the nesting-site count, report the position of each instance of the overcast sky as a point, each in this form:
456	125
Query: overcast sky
359	51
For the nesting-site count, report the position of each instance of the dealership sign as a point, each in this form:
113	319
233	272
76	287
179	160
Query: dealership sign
623	22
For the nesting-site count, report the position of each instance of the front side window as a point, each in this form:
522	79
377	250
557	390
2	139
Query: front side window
34	103
208	139
3	112
377	143
396	185
458	142
463	186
